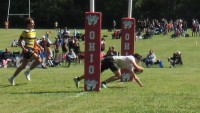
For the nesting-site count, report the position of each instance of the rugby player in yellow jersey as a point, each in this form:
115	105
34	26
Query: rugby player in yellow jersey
29	38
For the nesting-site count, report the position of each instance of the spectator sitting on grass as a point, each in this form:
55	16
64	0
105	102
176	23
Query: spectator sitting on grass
150	58
6	57
175	59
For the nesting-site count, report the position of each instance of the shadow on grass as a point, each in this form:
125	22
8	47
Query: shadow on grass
5	86
47	92
110	86
116	87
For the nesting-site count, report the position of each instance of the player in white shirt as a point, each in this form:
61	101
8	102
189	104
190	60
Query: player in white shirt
115	64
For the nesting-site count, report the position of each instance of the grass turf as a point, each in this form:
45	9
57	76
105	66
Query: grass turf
167	90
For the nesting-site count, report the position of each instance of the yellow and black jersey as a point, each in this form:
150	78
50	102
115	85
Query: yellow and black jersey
29	37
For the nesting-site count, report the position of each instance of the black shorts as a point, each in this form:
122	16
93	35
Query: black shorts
29	53
109	63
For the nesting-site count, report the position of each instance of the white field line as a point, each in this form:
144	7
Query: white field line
51	103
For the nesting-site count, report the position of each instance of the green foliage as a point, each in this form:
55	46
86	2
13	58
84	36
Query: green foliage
71	12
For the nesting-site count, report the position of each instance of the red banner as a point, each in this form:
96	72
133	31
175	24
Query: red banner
127	43
92	51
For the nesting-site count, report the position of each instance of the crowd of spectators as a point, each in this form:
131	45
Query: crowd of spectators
66	44
57	51
163	26
147	28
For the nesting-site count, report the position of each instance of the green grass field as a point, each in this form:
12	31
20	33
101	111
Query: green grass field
167	90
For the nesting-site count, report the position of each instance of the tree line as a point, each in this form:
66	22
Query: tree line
71	13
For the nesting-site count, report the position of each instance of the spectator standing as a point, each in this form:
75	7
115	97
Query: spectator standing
50	57
57	45
71	56
76	47
114	24
71	43
67	32
45	44
76	34
103	44
6	23
47	37
64	50
57	56
56	25
103	47
194	27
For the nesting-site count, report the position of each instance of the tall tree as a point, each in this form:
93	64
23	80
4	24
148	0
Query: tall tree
71	13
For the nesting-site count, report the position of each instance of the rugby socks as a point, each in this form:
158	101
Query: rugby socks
78	78
103	82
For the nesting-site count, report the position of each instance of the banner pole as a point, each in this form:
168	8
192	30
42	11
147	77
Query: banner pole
130	9
92	68
128	39
91	5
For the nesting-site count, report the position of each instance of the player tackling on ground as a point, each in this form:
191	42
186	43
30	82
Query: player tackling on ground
115	64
